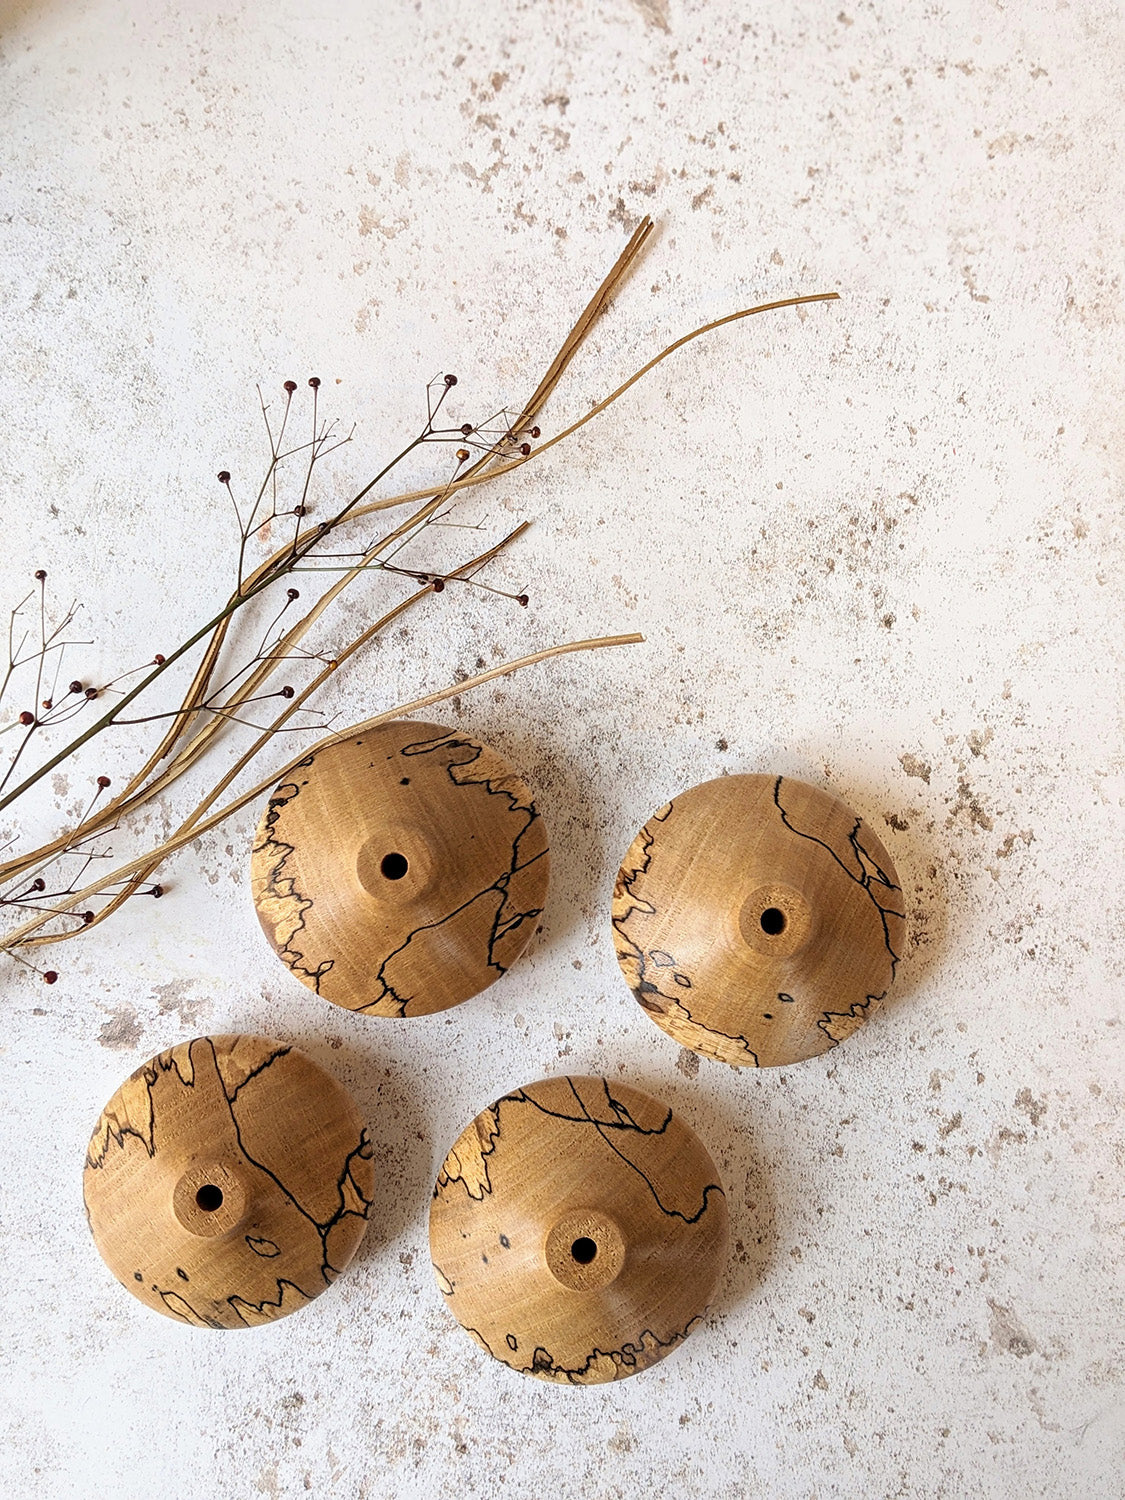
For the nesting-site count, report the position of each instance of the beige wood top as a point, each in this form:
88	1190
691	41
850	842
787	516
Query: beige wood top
758	920
401	872
578	1230
228	1181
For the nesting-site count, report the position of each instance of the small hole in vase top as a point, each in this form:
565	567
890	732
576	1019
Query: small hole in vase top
583	1250
394	866
773	921
209	1197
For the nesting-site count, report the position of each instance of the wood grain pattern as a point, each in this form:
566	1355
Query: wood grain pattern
228	1181
401	872
758	920
578	1230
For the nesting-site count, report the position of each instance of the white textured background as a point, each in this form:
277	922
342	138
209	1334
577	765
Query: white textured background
877	546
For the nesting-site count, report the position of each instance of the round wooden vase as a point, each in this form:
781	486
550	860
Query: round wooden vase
228	1181
578	1230
758	920
402	871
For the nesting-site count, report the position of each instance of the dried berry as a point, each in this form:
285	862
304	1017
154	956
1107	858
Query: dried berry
535	432
466	429
91	692
27	718
87	917
292	594
438	585
47	703
75	687
158	660
287	691
462	455
314	381
451	380
290	386
50	976
39	884
224	476
525	449
41	573
522	599
157	890
103	782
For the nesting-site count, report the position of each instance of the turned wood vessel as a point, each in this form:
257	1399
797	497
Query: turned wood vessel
578	1230
758	920
402	871
228	1181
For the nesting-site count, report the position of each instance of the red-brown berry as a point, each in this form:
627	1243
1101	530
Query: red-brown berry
314	381
287	691
47	703
451	380
40	574
438	585
91	692
462	455
39	884
27	718
525	449
522	599
50	976
158	660
224	476
103	782
75	687
290	386
157	891
466	429
535	432
87	917
292	593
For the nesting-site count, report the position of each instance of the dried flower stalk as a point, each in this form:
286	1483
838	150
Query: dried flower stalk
498	452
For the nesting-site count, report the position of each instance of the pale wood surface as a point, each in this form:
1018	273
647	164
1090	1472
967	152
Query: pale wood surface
578	1230
400	872
228	1181
758	920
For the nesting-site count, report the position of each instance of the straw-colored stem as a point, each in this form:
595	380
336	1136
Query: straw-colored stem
19	935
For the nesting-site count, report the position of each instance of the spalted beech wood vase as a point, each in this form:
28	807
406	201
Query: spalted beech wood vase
228	1181
758	920
578	1230
400	872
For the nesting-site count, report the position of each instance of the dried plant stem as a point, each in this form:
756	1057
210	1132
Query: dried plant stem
20	935
120	897
136	791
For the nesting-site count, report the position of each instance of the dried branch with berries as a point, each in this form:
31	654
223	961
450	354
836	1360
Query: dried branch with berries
66	886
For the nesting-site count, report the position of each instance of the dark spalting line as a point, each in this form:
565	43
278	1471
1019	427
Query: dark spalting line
170	1301
866	865
629	1358
236	1303
503	922
498	887
623	1121
858	1010
647	987
265	1248
254	1072
292	957
494	1111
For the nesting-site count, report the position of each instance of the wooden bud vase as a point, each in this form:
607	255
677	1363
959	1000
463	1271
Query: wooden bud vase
578	1230
758	920
228	1181
402	871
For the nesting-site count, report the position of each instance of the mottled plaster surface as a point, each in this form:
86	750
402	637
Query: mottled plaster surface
876	545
